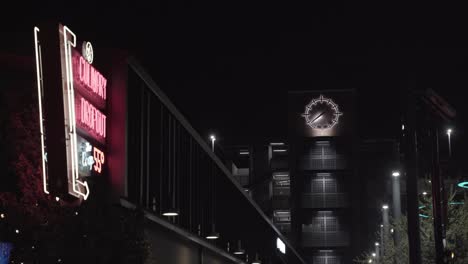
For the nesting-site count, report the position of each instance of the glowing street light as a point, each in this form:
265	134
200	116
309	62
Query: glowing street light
171	212
239	250
449	132
396	174
385	206
213	139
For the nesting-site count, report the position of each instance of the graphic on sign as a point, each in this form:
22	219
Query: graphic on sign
321	113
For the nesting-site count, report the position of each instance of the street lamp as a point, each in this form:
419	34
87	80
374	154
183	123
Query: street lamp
239	250
449	132
396	196
386	225
377	251
213	138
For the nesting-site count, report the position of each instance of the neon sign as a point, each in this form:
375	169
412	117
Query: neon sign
40	97
84	102
98	160
91	119
91	78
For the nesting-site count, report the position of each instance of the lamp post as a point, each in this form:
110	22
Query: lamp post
396	195
213	139
377	252
386	225
396	203
449	132
381	241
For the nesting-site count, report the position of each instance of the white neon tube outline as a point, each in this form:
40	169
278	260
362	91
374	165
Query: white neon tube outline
71	113
39	95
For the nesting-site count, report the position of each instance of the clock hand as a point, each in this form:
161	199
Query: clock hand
316	118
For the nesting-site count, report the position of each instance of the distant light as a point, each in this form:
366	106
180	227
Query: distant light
463	185
76	213
17	231
429	181
277	144
391	230
57	199
2	215
402	127
171	212
381	225
449	131
370	260
280	150
243	153
239	252
212	236
385	207
280	245
256	262
396	174
424	193
452	255
59	260
212	137
373	254
377	244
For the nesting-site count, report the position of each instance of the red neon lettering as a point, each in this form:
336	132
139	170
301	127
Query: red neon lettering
91	78
98	160
92	118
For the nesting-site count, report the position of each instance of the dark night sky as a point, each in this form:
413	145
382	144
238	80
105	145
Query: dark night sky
228	65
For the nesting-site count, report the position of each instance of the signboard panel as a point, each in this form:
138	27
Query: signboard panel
82	127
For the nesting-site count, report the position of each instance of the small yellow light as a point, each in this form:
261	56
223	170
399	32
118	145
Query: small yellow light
452	255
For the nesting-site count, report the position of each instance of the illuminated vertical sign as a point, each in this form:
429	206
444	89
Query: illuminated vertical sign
83	95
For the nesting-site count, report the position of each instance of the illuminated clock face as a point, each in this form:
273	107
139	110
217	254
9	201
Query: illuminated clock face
321	113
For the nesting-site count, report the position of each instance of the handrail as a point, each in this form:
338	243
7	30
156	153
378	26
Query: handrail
136	66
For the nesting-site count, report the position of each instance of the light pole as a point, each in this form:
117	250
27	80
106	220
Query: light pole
213	138
396	194
449	132
386	225
396	203
381	241
377	252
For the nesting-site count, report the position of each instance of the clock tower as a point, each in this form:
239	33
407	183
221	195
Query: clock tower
325	189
